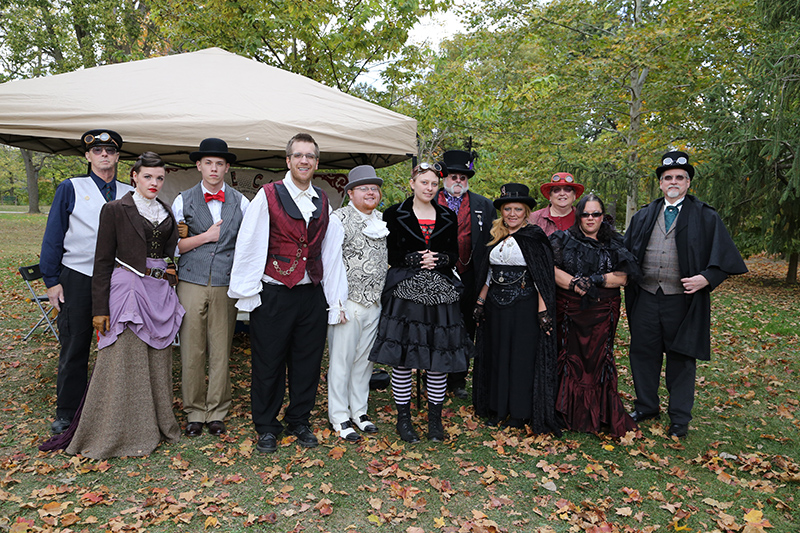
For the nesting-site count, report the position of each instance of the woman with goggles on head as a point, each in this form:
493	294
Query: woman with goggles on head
591	264
421	325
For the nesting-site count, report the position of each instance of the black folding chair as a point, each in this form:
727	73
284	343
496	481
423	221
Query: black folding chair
31	274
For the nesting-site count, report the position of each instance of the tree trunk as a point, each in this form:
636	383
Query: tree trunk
791	275
32	175
638	76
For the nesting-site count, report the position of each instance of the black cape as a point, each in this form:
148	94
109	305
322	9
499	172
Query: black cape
704	247
538	256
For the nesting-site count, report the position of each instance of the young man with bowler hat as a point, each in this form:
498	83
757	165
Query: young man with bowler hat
67	263
475	215
561	191
685	252
282	260
209	215
359	232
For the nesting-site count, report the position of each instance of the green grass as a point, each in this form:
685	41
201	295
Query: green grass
741	455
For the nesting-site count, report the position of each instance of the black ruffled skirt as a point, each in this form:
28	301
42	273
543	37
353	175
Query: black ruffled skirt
415	335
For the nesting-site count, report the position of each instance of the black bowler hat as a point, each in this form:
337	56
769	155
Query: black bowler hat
101	137
675	159
514	192
459	162
213	147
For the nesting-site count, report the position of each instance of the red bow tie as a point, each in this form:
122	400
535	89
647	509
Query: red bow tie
219	195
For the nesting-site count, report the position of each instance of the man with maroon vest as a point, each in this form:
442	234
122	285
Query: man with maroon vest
475	216
280	265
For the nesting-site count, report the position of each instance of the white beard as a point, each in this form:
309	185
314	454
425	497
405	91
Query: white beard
673	193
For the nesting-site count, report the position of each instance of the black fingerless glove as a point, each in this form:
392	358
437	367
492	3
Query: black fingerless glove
442	260
598	280
413	259
583	283
478	314
545	322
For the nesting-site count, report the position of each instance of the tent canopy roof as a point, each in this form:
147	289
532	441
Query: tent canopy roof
169	104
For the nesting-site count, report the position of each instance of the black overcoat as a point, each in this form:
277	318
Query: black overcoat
704	247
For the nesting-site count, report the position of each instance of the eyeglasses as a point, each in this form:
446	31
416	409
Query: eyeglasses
364	188
298	155
97	150
458	177
669	161
596	214
670	177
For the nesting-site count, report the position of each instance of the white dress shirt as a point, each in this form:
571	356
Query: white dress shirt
252	245
215	206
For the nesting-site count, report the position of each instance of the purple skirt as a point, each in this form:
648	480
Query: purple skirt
147	306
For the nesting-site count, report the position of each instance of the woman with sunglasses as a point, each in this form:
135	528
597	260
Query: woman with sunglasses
421	325
127	409
515	365
591	264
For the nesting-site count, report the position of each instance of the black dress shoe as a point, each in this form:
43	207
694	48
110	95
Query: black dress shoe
194	429
365	424
267	443
60	425
346	431
216	427
460	393
678	430
641	417
305	437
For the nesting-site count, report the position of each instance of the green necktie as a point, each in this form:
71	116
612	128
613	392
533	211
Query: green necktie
670	215
109	193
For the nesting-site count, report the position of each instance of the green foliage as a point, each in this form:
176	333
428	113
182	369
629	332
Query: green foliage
331	41
753	173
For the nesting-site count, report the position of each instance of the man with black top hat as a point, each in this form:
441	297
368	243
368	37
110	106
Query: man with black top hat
359	232
475	215
282	259
209	215
685	252
561	191
67	263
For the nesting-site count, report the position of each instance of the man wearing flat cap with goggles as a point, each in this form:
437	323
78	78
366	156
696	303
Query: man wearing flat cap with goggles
67	263
685	252
561	191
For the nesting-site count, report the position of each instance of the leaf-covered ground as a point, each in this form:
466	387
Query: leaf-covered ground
739	470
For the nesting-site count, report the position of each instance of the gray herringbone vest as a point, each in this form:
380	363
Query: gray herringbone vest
660	265
211	261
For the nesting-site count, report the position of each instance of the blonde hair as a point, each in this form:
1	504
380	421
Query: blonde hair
499	229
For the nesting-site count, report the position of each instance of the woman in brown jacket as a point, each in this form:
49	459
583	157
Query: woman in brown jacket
127	410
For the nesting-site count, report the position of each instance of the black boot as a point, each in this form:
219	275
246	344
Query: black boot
404	426
435	427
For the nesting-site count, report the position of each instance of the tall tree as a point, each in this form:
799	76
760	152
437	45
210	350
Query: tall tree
753	171
331	41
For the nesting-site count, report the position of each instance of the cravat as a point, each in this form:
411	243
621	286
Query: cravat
109	194
670	215
219	195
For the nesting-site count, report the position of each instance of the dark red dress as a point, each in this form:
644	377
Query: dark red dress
587	396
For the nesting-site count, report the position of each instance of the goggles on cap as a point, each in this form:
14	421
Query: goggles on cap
679	161
565	178
103	137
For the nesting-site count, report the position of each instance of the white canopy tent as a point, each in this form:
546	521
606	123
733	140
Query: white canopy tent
169	104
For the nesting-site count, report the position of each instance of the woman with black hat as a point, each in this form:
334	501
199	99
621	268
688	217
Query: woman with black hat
591	264
421	325
515	368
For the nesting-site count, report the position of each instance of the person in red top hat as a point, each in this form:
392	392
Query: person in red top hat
561	191
209	214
